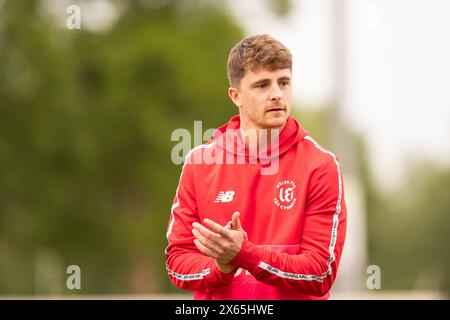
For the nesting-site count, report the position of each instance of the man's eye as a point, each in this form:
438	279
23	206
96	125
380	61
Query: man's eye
261	85
285	83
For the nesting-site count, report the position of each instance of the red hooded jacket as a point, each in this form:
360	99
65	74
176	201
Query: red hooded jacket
295	218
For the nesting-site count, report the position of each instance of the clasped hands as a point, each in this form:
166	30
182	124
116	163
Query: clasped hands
222	243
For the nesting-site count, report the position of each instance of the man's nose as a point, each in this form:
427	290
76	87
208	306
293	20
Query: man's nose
275	92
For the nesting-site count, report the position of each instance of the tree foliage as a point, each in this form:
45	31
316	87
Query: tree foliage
86	119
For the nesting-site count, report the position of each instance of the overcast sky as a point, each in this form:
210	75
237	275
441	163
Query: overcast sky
397	75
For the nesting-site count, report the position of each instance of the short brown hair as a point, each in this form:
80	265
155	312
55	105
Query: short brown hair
254	52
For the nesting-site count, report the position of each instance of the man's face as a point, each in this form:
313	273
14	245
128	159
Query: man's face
264	98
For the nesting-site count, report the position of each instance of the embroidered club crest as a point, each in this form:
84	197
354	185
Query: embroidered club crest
285	199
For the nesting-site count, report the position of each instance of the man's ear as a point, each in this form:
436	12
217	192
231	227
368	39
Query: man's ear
233	93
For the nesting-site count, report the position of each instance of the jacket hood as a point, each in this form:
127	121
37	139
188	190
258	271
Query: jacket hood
229	137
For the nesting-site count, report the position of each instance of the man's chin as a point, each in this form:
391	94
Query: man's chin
275	122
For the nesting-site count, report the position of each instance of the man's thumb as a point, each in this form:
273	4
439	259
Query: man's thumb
236	222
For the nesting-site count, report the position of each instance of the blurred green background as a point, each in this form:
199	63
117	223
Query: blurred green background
86	176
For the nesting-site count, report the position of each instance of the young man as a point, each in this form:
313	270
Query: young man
236	232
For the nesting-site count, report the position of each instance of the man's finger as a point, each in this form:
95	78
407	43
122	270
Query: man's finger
205	242
217	227
208	234
205	250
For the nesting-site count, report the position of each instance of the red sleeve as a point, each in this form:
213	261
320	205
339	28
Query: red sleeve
313	270
186	266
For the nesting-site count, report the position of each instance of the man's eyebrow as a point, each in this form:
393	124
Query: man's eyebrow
268	80
260	81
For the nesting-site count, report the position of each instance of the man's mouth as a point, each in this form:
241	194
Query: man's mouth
276	109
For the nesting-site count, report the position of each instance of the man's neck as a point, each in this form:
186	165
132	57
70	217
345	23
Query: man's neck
270	135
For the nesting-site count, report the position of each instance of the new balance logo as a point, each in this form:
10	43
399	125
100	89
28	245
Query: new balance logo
225	196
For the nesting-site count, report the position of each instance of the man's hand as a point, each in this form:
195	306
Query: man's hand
220	243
